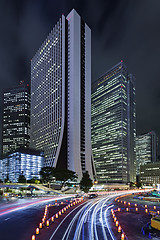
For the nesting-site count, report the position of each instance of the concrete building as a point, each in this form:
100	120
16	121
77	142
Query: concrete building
150	173
114	126
61	96
16	118
23	161
146	149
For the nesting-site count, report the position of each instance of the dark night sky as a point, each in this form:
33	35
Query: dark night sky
121	29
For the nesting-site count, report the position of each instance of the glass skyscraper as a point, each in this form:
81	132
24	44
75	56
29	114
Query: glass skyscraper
61	96
113	126
146	149
16	118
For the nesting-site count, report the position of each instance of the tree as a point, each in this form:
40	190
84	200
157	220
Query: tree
138	184
34	180
86	182
21	179
63	175
46	174
7	179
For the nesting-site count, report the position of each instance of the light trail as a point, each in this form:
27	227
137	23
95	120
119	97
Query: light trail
103	222
93	221
81	215
105	214
28	205
62	222
82	220
90	222
97	207
69	228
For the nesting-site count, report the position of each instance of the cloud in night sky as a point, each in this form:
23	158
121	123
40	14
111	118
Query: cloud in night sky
124	29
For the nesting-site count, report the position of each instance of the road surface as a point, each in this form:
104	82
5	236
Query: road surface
87	221
19	220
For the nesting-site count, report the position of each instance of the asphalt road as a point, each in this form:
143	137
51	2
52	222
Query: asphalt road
86	221
19	220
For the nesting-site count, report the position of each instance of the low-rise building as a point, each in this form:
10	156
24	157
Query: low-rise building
23	161
150	173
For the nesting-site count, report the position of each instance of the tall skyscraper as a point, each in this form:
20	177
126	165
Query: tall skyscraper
146	149
16	118
113	126
61	96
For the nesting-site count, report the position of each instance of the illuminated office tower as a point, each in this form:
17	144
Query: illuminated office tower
16	118
113	126
146	149
61	96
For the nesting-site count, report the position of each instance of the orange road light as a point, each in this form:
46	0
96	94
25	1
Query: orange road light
117	223
119	229
145	206
122	236
127	209
52	219
47	223
119	209
154	207
40	225
136	209
37	231
33	237
146	210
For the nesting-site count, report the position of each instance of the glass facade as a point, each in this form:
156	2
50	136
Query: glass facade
21	162
61	96
16	118
46	94
146	149
150	173
110	126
